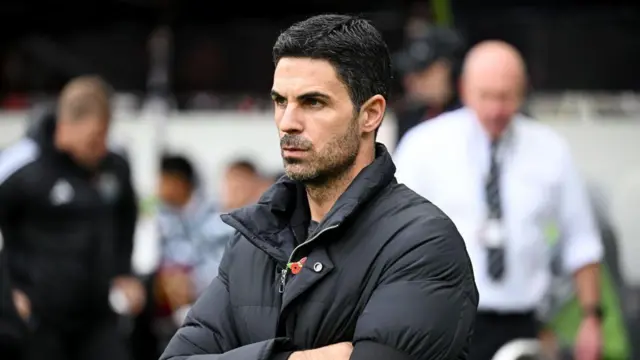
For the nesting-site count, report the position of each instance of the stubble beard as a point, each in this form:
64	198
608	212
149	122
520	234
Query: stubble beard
321	169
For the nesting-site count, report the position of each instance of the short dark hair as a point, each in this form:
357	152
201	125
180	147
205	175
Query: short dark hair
180	166
351	44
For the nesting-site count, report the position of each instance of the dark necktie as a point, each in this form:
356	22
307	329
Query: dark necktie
496	261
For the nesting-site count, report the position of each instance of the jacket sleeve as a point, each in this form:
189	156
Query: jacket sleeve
426	301
12	328
11	197
581	242
209	331
127	218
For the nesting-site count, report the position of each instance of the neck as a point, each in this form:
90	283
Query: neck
68	149
322	197
62	145
183	203
492	134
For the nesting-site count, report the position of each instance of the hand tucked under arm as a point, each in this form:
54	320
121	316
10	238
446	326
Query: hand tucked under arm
340	351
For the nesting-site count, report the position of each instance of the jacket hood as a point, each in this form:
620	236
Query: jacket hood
285	204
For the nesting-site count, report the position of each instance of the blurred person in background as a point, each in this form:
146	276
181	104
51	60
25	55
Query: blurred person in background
336	259
193	237
242	185
67	216
429	67
561	312
504	179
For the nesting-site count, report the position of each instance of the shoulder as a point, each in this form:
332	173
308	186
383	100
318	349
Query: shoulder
118	159
18	157
241	259
433	131
540	135
417	220
421	224
238	247
424	248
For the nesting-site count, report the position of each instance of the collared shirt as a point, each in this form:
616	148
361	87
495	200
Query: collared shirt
447	159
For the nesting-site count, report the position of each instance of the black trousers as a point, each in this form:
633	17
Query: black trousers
98	340
493	330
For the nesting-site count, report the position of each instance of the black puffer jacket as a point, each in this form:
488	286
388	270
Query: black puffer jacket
385	269
67	230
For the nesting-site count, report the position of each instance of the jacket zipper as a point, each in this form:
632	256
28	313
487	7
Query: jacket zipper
283	272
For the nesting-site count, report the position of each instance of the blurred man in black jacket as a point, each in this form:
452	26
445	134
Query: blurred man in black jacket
67	216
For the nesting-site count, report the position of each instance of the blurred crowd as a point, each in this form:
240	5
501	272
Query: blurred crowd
191	234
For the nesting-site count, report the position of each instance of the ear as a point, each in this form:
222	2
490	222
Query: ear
527	88
372	113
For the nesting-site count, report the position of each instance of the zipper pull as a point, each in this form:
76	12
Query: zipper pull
283	280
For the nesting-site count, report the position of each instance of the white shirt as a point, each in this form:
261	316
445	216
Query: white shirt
447	159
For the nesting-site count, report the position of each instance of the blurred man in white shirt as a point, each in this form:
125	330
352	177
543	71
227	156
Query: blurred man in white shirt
504	180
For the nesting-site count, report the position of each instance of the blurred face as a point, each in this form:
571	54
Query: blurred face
432	85
174	190
319	130
239	188
86	138
495	94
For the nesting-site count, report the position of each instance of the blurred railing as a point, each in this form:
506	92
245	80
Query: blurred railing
586	106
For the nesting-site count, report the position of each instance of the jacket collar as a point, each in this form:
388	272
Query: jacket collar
284	209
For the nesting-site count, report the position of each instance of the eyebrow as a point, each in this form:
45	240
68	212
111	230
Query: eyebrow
302	97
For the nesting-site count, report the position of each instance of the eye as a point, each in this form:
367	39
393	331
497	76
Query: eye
314	103
280	101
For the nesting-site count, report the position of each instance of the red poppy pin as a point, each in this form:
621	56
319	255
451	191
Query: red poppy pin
296	266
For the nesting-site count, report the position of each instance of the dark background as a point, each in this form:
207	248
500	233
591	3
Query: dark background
224	47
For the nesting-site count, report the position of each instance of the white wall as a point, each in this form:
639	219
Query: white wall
608	151
211	139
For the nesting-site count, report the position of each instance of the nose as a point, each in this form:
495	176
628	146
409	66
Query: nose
290	119
495	109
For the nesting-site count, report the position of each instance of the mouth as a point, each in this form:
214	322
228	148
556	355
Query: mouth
292	152
288	148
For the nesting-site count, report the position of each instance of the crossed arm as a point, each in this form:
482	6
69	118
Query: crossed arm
424	308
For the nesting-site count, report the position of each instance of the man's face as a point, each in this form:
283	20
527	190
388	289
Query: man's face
238	188
319	130
495	97
431	85
88	137
173	190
